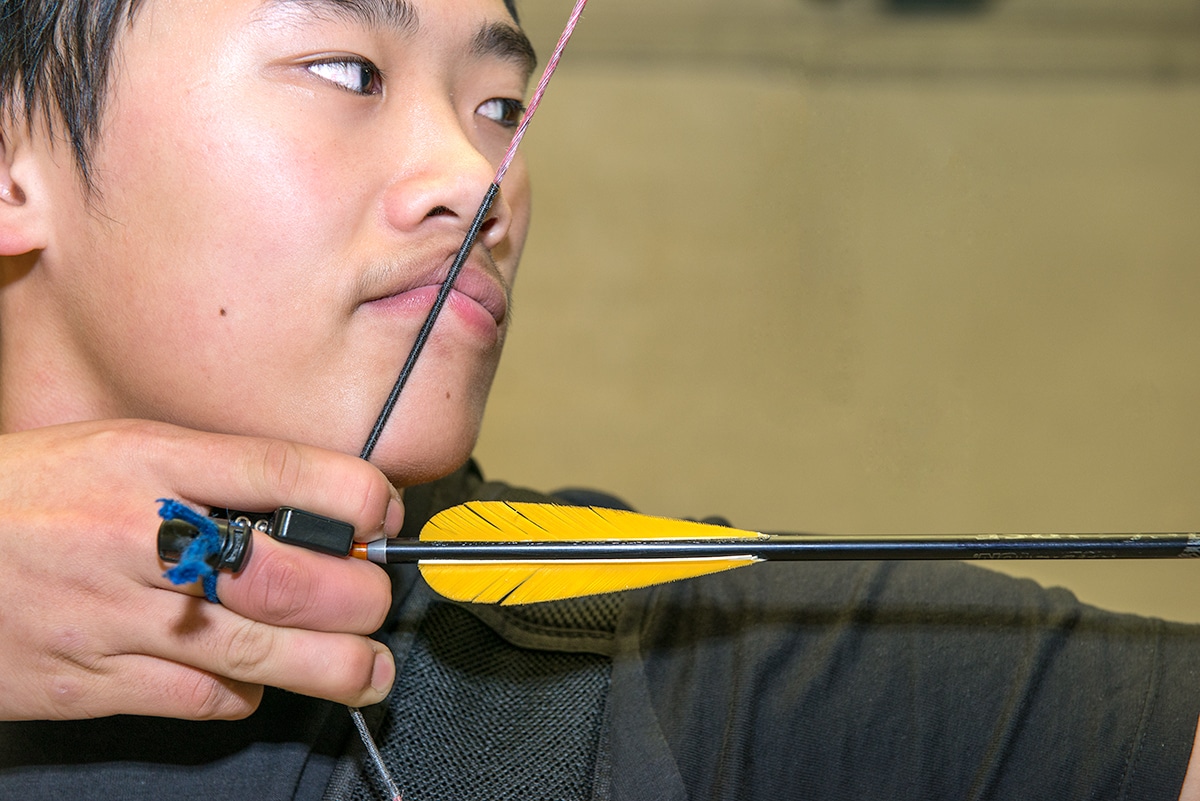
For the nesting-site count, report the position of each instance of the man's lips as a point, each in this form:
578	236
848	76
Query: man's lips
476	286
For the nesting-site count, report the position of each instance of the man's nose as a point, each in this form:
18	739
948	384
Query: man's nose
441	180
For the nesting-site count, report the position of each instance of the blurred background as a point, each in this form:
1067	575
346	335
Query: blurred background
870	266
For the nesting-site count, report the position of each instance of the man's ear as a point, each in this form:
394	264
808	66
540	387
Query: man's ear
22	201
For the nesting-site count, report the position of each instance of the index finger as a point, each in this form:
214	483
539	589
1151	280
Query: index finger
260	474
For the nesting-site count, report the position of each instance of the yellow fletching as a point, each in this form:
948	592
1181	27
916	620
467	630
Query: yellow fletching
500	521
522	582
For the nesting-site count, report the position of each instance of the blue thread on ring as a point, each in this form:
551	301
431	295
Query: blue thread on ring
193	564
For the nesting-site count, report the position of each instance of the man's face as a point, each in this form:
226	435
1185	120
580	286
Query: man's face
282	187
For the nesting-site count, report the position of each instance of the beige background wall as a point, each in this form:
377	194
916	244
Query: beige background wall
886	275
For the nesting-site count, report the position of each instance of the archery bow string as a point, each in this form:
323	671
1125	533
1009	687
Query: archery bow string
439	301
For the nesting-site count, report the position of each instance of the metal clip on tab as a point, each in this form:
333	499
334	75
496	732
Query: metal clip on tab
293	526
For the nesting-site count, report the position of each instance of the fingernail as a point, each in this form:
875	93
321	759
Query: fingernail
384	672
393	519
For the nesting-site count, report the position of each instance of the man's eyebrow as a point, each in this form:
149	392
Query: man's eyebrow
497	39
501	40
399	15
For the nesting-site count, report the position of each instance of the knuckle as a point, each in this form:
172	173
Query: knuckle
70	666
373	491
281	468
65	693
207	697
352	676
283	593
377	600
367	509
247	649
358	491
72	646
133	437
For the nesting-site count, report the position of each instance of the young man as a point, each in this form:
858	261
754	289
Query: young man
221	225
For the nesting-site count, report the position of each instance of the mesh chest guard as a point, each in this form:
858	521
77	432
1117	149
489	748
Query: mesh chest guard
474	716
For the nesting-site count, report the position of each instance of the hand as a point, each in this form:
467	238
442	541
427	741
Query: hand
89	626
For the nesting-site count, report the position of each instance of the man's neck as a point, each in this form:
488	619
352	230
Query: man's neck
43	380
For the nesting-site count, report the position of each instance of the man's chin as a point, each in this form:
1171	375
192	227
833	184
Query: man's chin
419	459
433	428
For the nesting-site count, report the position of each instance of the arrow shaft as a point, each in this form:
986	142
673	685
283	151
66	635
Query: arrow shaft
799	547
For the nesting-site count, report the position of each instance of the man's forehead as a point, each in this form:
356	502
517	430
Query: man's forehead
495	39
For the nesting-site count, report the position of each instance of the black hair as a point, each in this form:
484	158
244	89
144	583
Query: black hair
55	58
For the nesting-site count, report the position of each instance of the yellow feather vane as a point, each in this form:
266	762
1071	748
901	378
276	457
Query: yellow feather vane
522	582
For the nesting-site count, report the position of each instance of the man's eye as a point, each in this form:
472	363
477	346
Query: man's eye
358	76
503	110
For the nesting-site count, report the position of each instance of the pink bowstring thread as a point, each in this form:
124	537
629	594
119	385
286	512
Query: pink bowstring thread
551	66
